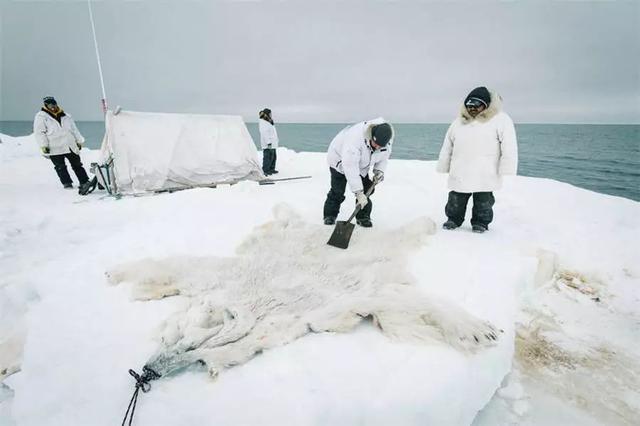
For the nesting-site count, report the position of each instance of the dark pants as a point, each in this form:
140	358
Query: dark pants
482	212
335	196
61	168
268	160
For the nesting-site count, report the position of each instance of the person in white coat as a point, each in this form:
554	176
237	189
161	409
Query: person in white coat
352	154
268	142
59	138
479	148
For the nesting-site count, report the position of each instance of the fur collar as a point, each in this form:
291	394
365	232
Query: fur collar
494	108
57	117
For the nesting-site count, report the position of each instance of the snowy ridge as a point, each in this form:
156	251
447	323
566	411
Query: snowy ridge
557	272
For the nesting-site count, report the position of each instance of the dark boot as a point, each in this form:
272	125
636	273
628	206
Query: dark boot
478	229
456	207
365	223
329	220
449	224
482	212
88	187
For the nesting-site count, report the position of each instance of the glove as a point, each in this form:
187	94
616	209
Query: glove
378	176
79	146
361	199
45	150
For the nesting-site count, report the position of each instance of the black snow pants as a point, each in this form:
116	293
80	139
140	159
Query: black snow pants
61	168
268	160
482	212
335	196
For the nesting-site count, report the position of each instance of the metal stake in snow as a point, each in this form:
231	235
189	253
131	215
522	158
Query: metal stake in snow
95	43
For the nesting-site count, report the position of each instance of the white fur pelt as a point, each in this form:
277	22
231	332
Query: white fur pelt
286	282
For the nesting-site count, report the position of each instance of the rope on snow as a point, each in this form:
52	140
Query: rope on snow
142	382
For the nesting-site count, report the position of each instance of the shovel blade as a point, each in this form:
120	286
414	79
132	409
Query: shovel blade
341	234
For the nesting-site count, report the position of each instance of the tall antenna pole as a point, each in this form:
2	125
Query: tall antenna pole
95	43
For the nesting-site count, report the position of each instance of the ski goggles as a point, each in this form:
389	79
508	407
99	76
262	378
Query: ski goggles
475	103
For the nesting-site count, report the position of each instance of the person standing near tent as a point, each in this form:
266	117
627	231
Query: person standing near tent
59	138
479	148
268	142
352	153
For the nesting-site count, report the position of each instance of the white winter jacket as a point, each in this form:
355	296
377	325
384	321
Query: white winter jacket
60	138
350	153
268	134
478	152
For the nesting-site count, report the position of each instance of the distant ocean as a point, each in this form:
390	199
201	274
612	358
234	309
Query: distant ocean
602	158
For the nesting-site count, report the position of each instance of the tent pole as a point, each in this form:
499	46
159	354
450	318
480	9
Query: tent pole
95	43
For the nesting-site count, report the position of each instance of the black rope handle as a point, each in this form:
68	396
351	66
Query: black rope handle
142	383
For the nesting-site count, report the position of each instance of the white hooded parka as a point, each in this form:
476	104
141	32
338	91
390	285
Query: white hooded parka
350	153
477	152
60	138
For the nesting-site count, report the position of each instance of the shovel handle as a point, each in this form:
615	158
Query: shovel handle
355	212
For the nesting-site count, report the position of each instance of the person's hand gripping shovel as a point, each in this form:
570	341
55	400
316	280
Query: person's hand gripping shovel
343	230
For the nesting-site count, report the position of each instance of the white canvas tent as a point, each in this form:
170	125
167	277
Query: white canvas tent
160	151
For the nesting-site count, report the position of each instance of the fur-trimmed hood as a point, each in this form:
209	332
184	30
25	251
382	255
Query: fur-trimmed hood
495	106
477	152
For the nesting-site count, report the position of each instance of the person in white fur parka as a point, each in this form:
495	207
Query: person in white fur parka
59	139
479	148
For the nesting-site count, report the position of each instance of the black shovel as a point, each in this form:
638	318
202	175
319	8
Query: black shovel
343	230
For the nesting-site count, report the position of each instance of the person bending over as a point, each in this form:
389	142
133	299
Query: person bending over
352	153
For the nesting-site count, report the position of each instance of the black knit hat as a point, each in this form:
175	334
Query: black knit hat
479	94
49	100
382	134
265	115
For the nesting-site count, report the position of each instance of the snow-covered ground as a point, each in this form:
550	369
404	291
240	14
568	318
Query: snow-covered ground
559	272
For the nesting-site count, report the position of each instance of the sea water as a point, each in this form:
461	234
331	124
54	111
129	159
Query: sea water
602	158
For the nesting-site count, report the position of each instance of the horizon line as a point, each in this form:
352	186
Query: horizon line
396	122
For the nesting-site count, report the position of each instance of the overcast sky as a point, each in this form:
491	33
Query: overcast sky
319	61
